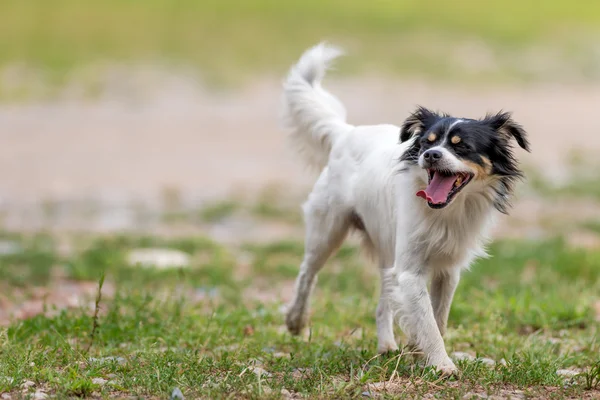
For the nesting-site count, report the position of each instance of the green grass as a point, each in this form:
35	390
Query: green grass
532	303
218	211
232	40
269	206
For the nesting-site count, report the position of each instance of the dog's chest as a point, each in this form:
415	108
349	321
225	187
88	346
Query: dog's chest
446	243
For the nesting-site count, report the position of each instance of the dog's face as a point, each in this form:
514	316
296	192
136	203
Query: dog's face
462	155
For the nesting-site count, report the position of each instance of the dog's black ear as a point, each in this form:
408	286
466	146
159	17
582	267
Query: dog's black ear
419	121
504	125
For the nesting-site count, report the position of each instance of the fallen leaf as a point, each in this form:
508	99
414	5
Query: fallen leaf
248	330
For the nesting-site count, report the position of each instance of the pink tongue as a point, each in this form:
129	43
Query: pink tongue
438	189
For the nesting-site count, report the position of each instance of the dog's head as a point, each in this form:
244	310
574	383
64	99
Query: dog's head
464	155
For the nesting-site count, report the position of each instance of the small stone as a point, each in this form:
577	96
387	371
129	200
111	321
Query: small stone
27	384
158	258
488	361
8	247
503	362
472	396
514	394
460	356
267	390
279	354
300	373
357	333
99	381
39	395
567	372
176	394
366	394
106	360
230	348
6	379
258	371
377	386
6	396
111	376
285	393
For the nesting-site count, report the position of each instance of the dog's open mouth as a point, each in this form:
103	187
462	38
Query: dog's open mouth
443	186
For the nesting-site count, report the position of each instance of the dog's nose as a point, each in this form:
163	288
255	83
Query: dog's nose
432	155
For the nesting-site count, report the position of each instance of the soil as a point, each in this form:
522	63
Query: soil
89	162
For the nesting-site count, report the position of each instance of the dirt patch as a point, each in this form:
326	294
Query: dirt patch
49	300
117	162
426	389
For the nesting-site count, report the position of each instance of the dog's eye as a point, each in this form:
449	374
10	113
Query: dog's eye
463	146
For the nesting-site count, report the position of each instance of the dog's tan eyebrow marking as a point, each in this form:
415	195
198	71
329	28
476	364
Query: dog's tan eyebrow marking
432	136
488	164
455	139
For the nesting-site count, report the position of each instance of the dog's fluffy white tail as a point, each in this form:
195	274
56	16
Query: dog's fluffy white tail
315	117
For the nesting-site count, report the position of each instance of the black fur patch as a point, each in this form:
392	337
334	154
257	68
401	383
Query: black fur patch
356	222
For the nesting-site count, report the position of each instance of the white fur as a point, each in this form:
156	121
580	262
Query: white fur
458	121
312	111
362	175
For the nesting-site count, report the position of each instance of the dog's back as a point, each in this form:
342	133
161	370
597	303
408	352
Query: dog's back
361	160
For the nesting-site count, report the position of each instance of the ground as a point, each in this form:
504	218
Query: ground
214	327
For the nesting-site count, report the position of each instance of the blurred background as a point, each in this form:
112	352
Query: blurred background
139	141
161	115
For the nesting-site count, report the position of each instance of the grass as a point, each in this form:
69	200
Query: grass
218	211
532	304
268	206
232	40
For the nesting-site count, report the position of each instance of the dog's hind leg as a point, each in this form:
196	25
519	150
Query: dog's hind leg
443	286
326	228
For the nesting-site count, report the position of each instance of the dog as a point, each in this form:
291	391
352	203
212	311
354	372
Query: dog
424	195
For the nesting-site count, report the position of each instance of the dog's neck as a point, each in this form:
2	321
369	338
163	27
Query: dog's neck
456	234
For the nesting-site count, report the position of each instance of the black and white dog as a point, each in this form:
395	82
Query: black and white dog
425	202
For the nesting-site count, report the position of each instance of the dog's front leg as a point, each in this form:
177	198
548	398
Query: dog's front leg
413	310
384	318
443	286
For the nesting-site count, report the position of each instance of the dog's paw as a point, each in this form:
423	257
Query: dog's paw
446	368
387	347
295	322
